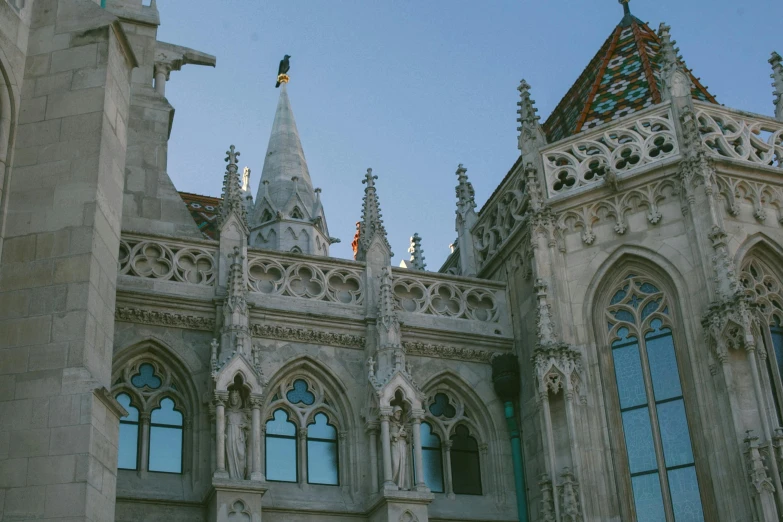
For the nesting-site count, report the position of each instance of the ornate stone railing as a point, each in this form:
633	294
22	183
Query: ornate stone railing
749	138
630	143
168	260
325	280
445	296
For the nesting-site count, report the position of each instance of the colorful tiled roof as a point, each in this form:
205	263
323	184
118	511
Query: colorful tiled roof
620	80
204	210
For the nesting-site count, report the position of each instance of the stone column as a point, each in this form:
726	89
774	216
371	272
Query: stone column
161	77
144	446
302	454
220	435
448	486
372	429
388	483
417	452
255	471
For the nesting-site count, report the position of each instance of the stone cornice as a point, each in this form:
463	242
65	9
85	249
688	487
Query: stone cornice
442	351
158	318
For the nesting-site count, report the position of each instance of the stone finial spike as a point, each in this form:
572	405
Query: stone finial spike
527	110
531	136
232	191
675	80
465	193
417	254
777	76
371	224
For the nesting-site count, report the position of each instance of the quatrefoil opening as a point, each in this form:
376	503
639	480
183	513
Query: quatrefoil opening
146	377
442	408
300	394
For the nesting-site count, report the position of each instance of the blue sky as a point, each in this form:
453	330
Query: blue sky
412	88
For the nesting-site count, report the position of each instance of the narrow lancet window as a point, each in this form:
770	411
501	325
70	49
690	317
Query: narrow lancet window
281	453
322	462
166	438
128	454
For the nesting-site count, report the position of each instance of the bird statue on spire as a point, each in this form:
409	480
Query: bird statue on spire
282	70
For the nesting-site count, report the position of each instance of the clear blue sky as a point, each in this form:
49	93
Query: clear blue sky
412	88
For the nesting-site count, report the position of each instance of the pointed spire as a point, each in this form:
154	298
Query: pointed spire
777	76
417	254
371	224
531	135
232	192
465	194
466	218
675	79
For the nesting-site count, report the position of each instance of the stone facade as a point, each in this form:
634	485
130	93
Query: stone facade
602	344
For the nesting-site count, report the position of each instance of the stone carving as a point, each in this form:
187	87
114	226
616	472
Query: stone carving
158	318
569	497
408	517
741	137
433	296
762	487
328	281
616	207
305	335
399	449
777	76
239	512
764	290
232	199
237	428
371	225
547	502
644	140
417	254
448	352
170	261
763	196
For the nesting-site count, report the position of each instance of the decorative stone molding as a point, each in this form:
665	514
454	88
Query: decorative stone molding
547	504
443	351
158	318
729	325
167	261
751	139
761	484
763	196
306	335
616	207
436	296
280	275
569	497
621	149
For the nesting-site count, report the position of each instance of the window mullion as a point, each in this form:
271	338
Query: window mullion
772	363
144	446
656	431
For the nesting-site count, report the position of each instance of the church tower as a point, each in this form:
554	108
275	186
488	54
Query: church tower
288	215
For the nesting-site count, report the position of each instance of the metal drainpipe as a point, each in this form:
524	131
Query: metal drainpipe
103	4
505	377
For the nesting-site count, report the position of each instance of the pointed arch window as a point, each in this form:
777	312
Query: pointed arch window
465	468
322	462
764	288
655	429
282	457
128	457
432	458
152	435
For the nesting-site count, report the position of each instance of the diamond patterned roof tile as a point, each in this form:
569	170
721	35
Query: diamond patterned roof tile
621	79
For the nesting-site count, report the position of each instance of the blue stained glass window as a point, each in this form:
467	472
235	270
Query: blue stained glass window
441	407
281	451
647	498
639	440
675	437
647	288
620	295
685	495
628	370
663	364
166	438
650	307
128	454
300	394
146	377
776	330
322	462
624	315
433	458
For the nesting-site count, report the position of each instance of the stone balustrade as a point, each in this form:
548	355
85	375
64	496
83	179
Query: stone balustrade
749	138
152	257
621	148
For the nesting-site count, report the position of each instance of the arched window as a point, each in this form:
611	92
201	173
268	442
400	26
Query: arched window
128	456
302	435
432	456
460	456
764	288
166	438
656	437
322	463
465	468
152	434
281	452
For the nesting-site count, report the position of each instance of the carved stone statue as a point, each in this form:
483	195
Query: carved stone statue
237	427
399	449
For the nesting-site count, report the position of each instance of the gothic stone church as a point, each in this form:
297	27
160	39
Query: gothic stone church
604	343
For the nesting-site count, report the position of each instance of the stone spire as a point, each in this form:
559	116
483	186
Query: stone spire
466	218
235	333
287	214
416	261
777	76
531	135
675	80
371	226
232	198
